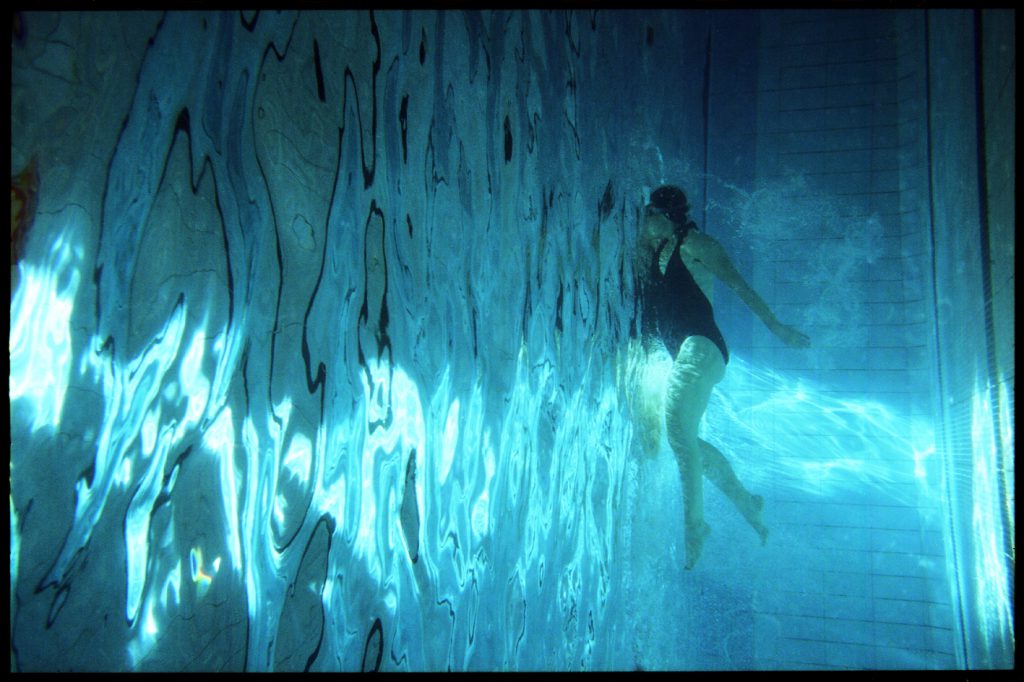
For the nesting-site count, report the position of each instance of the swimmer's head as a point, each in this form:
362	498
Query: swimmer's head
671	202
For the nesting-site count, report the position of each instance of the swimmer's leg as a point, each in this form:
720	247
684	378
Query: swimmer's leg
720	472
697	530
686	398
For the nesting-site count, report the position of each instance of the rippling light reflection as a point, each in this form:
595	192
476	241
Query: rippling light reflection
219	439
539	468
40	337
991	582
784	432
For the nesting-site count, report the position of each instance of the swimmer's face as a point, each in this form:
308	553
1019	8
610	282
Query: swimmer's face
657	226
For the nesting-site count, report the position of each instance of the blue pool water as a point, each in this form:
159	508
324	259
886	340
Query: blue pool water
320	344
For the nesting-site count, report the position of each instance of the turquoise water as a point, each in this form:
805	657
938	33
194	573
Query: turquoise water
319	347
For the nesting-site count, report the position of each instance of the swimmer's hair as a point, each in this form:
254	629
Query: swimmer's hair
671	201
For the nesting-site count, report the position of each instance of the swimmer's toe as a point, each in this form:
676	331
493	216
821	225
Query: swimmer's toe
762	531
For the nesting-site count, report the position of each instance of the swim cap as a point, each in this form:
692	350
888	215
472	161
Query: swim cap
671	201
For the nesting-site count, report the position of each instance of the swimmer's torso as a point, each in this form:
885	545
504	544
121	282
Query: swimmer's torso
705	280
676	294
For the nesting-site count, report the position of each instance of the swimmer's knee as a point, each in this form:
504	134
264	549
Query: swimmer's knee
682	434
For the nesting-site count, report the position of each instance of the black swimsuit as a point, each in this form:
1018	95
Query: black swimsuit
674	307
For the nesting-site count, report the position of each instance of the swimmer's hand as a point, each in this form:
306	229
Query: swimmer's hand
791	336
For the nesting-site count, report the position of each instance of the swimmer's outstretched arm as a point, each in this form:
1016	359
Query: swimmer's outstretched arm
712	255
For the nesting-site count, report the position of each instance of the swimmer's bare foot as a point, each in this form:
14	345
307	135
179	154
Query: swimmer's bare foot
695	543
757	503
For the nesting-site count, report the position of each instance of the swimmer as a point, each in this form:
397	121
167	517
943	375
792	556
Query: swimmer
676	265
